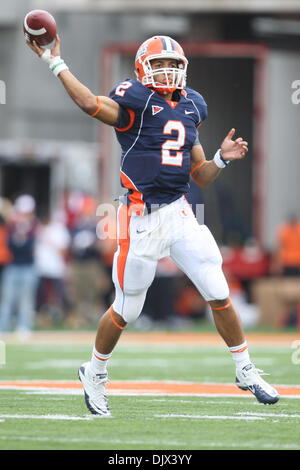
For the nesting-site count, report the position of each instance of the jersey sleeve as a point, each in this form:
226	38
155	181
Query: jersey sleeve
199	103
132	97
197	141
130	94
124	118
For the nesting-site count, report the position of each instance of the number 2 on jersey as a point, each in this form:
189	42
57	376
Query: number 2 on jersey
166	157
121	89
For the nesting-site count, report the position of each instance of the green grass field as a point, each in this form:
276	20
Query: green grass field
58	419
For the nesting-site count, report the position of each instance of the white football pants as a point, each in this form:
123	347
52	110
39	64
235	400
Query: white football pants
170	231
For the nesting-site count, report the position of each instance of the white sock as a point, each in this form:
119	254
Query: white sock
99	362
240	355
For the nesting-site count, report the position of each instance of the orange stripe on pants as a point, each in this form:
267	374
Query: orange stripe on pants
137	204
123	241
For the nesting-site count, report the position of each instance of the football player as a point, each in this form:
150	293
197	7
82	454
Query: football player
156	119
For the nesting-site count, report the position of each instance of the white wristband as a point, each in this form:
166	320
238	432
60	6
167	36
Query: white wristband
219	161
56	64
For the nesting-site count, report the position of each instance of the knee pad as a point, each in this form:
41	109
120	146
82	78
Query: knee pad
129	305
138	275
214	284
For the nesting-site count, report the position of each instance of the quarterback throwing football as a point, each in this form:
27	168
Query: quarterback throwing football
156	118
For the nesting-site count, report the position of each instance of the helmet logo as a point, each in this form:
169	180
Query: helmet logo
141	51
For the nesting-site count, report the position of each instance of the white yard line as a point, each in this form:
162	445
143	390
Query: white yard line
238	418
100	440
247	415
54	364
269	415
54	391
203	445
52	417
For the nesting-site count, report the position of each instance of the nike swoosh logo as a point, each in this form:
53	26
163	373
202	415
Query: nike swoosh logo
141	231
188	112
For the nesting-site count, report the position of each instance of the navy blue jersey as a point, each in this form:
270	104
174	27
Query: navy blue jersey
156	142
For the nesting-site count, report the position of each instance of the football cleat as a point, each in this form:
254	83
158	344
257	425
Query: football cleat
249	378
94	390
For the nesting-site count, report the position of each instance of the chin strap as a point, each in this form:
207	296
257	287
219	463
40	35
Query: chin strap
162	91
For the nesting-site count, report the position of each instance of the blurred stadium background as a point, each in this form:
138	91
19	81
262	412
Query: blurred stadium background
245	60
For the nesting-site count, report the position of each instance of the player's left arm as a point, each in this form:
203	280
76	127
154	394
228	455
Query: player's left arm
205	171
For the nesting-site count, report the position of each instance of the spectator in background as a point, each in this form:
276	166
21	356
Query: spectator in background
287	258
51	249
19	278
245	264
107	246
5	254
86	267
159	305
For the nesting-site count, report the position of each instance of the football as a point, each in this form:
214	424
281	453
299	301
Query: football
39	26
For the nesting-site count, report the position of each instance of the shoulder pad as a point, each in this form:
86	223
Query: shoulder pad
130	94
198	101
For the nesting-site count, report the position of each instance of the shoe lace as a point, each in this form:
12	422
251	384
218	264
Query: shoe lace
100	378
100	381
255	375
254	372
260	371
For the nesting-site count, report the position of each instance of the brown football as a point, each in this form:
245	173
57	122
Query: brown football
40	26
